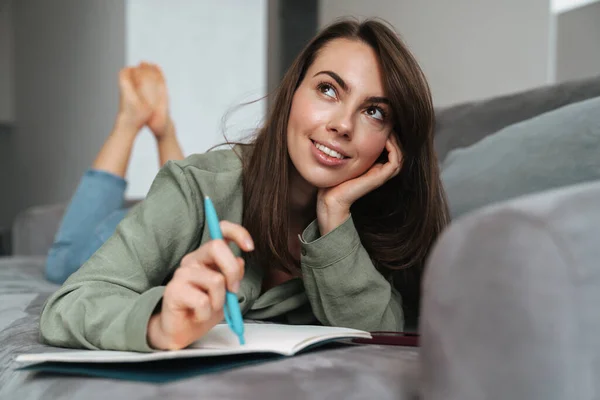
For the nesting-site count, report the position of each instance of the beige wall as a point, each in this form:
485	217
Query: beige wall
469	49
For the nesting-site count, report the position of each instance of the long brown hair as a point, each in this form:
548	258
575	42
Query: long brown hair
398	222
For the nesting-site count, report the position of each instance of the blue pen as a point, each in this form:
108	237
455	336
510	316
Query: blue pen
232	312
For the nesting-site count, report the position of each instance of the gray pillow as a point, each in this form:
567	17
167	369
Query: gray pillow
554	149
465	124
510	301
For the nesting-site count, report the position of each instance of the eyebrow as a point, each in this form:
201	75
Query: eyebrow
345	88
377	99
337	78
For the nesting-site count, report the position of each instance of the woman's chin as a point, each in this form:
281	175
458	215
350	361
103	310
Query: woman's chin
323	182
323	178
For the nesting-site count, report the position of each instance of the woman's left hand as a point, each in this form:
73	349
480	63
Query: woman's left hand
333	203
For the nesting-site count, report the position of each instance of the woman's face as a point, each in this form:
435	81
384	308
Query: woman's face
340	118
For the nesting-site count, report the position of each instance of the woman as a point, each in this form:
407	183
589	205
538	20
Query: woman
98	203
338	190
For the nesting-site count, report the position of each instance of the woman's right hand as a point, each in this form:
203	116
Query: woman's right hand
193	300
134	113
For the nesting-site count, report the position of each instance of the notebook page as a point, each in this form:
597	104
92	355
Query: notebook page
276	338
260	338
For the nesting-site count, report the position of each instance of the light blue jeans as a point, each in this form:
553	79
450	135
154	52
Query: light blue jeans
90	219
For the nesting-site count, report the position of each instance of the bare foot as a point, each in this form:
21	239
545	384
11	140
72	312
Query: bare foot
152	89
133	113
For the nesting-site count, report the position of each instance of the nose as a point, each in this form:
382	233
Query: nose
341	123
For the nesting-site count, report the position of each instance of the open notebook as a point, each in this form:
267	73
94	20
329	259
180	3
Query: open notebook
284	340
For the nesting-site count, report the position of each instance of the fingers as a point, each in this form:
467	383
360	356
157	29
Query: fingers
205	280
394	154
196	304
192	304
238	234
217	254
191	298
198	288
220	255
378	174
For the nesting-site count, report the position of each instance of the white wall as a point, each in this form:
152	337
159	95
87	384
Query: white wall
6	63
67	55
214	57
559	6
468	49
578	42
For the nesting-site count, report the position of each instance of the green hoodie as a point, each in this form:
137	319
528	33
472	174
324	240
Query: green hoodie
108	302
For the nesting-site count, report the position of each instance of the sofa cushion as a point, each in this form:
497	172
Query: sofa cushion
465	124
34	229
510	301
558	148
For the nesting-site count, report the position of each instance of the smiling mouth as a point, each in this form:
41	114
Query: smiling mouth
328	151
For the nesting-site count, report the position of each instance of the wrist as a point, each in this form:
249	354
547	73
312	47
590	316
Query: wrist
331	220
155	336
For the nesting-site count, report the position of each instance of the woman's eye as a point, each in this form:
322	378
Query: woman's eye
375	112
327	90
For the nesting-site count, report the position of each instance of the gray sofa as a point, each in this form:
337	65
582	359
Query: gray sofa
468	339
510	304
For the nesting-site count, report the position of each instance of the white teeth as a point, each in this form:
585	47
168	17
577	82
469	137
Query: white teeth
328	151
